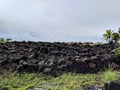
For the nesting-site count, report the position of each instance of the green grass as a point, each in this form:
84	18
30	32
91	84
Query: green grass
111	76
66	81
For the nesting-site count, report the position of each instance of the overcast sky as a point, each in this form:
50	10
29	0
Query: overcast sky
58	20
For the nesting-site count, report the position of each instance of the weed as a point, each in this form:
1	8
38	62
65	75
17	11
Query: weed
111	76
66	81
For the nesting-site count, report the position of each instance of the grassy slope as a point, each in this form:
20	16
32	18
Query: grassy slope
67	81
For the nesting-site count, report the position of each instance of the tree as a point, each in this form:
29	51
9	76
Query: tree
108	35
119	33
3	40
8	40
111	36
115	37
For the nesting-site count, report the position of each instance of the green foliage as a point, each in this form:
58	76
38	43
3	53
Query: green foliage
67	81
115	37
3	40
15	80
119	31
111	76
117	50
111	36
108	35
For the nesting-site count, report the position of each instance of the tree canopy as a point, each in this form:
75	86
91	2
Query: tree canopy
111	36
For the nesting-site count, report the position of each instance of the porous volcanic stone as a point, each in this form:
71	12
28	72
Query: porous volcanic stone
56	57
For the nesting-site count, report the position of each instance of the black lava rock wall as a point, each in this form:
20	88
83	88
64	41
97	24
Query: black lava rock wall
55	57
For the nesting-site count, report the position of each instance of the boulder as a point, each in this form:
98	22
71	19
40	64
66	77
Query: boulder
47	70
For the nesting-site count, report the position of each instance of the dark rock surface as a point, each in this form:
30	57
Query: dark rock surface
94	87
90	88
50	58
112	86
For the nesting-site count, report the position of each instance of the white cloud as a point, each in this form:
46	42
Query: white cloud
58	20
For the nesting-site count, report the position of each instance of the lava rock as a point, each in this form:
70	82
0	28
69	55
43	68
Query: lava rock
89	88
47	70
50	58
112	86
